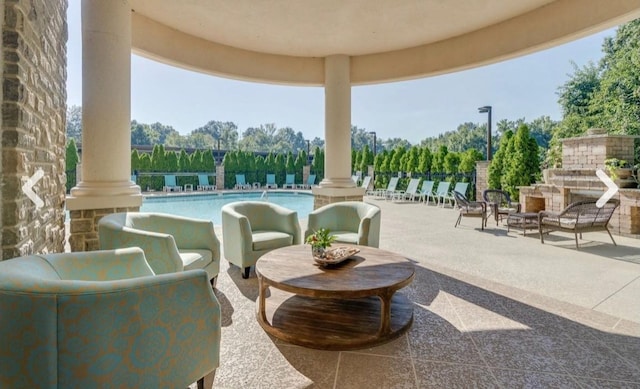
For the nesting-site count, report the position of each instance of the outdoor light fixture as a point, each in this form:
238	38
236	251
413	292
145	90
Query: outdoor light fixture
374	142
487	109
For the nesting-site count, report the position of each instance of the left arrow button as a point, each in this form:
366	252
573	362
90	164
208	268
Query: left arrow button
27	188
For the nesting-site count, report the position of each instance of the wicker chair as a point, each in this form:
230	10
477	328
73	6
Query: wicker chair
499	203
470	208
579	217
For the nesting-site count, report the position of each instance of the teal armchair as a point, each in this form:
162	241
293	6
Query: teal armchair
102	319
353	222
171	243
251	229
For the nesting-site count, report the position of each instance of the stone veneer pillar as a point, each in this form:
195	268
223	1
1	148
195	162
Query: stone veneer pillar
106	121
220	177
482	178
33	104
337	184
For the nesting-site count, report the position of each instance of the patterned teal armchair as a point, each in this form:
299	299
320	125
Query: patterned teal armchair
170	243
102	319
353	222
251	229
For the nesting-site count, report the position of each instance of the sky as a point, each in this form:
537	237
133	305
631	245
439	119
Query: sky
525	87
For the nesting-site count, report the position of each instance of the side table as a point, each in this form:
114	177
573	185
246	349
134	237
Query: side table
524	221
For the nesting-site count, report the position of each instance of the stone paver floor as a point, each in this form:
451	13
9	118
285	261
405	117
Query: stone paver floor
492	309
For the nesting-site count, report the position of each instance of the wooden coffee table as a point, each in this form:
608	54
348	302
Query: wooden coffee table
346	306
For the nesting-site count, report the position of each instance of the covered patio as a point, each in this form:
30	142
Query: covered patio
330	44
491	309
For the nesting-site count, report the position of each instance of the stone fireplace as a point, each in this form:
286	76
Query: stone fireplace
577	180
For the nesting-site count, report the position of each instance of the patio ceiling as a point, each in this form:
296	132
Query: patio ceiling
285	41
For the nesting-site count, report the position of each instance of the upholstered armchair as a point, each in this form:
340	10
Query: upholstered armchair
170	243
251	229
353	222
103	319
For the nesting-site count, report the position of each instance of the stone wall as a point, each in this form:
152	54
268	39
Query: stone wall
577	180
590	152
321	201
84	227
33	56
482	178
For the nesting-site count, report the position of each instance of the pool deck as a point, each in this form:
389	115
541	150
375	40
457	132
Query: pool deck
491	309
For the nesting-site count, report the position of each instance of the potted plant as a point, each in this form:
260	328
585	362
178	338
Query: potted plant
618	169
319	241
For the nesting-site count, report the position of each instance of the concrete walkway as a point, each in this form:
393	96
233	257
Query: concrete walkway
600	276
491	310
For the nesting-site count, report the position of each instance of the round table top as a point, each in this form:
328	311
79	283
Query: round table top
371	271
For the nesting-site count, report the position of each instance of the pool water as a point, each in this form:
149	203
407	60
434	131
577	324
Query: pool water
208	206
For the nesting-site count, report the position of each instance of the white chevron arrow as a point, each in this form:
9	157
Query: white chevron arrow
27	188
613	188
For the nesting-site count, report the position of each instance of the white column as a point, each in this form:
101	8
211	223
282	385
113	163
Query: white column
106	108
337	98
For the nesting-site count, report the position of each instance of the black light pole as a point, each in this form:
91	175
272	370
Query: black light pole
308	148
374	142
487	109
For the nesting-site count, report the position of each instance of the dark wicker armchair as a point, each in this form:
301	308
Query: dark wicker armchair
499	203
470	208
579	217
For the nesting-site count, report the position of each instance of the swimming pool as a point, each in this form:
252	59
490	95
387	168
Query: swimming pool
208	206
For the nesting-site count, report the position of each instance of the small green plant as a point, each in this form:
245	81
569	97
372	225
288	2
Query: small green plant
613	164
321	238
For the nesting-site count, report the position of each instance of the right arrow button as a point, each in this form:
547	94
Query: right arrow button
611	191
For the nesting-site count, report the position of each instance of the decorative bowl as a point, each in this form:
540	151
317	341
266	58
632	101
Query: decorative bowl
336	255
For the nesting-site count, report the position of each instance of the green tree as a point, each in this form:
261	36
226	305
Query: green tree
142	134
74	123
424	163
318	164
366	159
208	162
184	162
396	158
497	163
135	160
223	133
521	166
615	104
280	169
468	160
301	161
71	161
451	162
437	163
261	170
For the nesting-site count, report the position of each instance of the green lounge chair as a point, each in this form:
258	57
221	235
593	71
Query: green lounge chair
290	181
170	184
203	183
271	182
241	182
426	191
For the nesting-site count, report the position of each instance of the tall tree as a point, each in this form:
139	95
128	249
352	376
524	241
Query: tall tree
74	123
521	166
616	103
497	163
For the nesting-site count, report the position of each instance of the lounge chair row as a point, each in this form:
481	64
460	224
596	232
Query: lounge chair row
290	182
440	195
171	185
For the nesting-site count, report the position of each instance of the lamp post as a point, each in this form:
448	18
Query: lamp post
374	142
308	148
487	109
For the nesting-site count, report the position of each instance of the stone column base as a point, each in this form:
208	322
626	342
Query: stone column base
324	196
84	227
